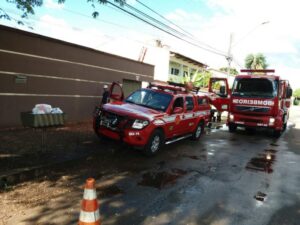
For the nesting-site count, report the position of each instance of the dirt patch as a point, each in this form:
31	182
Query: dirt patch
32	194
24	147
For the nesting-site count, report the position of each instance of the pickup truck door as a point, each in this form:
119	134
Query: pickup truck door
174	119
189	118
219	93
116	92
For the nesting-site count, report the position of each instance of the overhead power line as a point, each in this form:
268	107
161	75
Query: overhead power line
185	34
166	31
154	20
161	16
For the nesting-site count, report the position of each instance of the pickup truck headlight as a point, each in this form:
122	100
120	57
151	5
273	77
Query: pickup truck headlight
139	124
271	121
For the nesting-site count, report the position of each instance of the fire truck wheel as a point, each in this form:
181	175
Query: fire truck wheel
232	127
285	124
199	131
155	142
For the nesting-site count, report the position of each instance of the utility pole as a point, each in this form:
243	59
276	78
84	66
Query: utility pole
229	55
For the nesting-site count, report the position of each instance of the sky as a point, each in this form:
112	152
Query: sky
269	27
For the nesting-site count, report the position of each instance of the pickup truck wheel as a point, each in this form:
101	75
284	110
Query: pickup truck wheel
199	131
232	127
277	133
97	125
155	142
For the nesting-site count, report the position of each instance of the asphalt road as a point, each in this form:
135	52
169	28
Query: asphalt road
223	179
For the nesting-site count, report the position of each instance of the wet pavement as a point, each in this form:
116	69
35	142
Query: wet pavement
225	178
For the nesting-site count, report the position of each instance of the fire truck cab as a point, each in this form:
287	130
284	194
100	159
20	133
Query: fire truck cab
257	99
153	116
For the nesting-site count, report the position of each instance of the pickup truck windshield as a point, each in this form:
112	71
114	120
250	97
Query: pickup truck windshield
150	99
256	88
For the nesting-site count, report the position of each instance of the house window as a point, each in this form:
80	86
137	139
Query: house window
174	71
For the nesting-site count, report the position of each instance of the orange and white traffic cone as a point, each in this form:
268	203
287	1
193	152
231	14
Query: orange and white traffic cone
89	214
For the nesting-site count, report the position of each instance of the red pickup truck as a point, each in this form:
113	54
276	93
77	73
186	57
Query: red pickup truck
153	116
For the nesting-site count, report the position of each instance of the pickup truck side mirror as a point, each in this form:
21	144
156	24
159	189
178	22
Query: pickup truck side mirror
178	110
289	92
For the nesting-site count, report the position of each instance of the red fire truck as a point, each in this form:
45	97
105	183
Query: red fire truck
257	99
153	116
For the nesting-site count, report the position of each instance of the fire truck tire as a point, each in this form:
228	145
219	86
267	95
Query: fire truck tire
232	127
285	124
198	131
155	142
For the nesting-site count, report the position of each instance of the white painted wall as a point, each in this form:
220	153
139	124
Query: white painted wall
159	57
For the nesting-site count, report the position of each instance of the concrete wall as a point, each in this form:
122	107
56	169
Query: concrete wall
36	69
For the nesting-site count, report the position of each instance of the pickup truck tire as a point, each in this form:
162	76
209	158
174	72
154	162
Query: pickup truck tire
97	125
155	142
232	127
277	133
198	131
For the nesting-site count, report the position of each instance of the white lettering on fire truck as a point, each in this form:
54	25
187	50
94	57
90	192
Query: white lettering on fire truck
253	102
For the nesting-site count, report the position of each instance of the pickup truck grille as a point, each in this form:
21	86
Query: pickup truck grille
252	109
114	121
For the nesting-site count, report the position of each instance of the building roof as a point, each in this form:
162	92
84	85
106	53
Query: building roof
188	59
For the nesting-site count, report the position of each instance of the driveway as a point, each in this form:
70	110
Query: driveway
225	178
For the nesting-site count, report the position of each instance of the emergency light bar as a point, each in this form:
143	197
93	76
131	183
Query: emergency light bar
193	89
163	86
257	71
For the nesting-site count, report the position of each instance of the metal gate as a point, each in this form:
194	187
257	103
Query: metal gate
130	86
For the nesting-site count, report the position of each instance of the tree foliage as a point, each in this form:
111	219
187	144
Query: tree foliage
256	61
233	71
297	93
198	79
27	7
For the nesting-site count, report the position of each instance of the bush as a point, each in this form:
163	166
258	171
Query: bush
296	101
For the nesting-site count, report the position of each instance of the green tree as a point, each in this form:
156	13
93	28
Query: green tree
233	71
27	7
198	79
296	93
256	61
